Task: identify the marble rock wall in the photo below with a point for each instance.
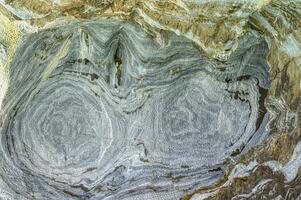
(150, 100)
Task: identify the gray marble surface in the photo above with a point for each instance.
(98, 110)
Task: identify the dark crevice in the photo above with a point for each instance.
(93, 76)
(90, 169)
(238, 150)
(262, 109)
(118, 64)
(79, 60)
(237, 95)
(215, 169)
(144, 147)
(185, 166)
(245, 77)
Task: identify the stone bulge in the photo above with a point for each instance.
(98, 110)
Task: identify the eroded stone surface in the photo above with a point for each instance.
(109, 109)
(98, 110)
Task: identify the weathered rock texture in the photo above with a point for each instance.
(150, 99)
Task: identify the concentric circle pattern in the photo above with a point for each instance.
(194, 125)
(98, 110)
(67, 129)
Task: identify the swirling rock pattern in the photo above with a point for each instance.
(98, 110)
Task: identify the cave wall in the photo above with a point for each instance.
(150, 99)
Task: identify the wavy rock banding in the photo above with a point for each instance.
(98, 110)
